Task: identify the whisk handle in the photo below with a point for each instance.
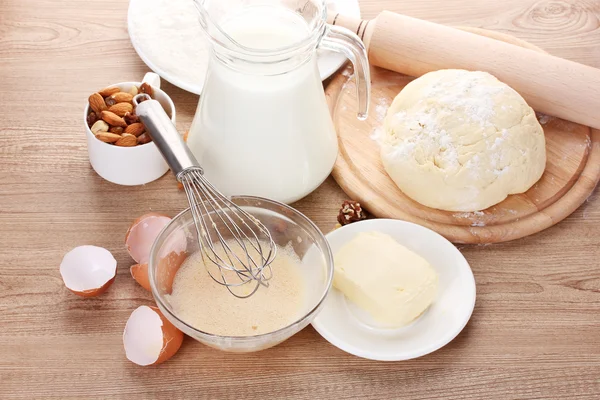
(164, 134)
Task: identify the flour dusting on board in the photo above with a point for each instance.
(589, 209)
(543, 118)
(379, 112)
(381, 106)
(470, 215)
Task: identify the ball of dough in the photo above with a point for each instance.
(461, 141)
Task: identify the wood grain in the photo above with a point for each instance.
(535, 332)
(572, 151)
(414, 47)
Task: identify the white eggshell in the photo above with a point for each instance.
(87, 269)
(149, 338)
(143, 336)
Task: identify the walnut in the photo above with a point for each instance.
(351, 211)
(131, 118)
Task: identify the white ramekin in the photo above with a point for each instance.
(135, 165)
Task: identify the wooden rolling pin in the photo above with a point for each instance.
(549, 84)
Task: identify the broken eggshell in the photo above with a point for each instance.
(167, 269)
(139, 240)
(142, 233)
(165, 272)
(139, 272)
(149, 338)
(88, 271)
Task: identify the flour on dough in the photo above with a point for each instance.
(461, 141)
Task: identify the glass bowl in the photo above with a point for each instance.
(287, 226)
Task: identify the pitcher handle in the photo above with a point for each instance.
(342, 40)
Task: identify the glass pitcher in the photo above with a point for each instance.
(262, 126)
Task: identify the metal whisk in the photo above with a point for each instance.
(237, 244)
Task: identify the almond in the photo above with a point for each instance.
(143, 138)
(99, 126)
(108, 91)
(134, 90)
(113, 119)
(121, 97)
(126, 140)
(121, 109)
(135, 129)
(108, 137)
(97, 103)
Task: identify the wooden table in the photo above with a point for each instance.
(535, 332)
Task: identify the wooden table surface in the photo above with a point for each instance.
(535, 332)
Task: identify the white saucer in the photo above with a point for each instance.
(348, 328)
(152, 23)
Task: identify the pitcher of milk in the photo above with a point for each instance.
(262, 126)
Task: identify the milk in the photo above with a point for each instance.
(264, 129)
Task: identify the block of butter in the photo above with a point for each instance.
(390, 282)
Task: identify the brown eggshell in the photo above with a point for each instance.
(166, 271)
(94, 292)
(149, 338)
(172, 338)
(88, 270)
(167, 268)
(139, 272)
(141, 235)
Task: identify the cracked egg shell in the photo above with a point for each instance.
(149, 338)
(142, 233)
(139, 272)
(166, 271)
(88, 271)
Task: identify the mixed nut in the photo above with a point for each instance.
(350, 211)
(112, 118)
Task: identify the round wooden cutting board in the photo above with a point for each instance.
(572, 168)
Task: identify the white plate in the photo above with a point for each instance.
(151, 19)
(344, 326)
